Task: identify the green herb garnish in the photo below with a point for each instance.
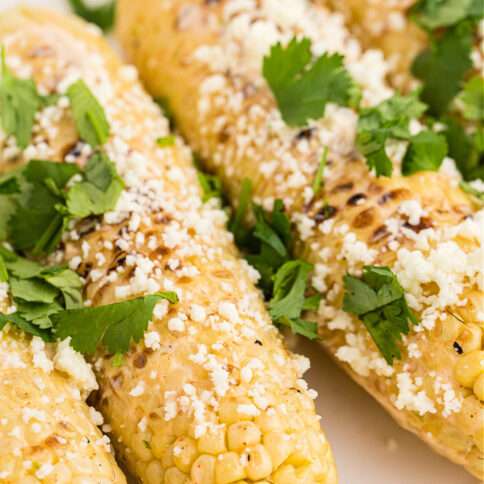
(102, 16)
(378, 299)
(476, 195)
(472, 99)
(211, 186)
(426, 152)
(303, 86)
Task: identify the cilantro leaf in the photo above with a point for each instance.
(9, 185)
(103, 16)
(426, 152)
(442, 67)
(378, 299)
(168, 140)
(475, 193)
(32, 290)
(211, 186)
(24, 325)
(236, 224)
(318, 179)
(388, 120)
(99, 192)
(88, 114)
(433, 14)
(472, 99)
(19, 101)
(308, 329)
(69, 284)
(303, 88)
(113, 325)
(3, 270)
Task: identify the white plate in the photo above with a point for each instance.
(369, 447)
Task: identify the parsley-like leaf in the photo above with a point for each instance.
(302, 88)
(426, 152)
(88, 114)
(211, 186)
(378, 300)
(442, 67)
(103, 16)
(24, 325)
(236, 224)
(388, 120)
(166, 141)
(113, 325)
(9, 185)
(476, 194)
(100, 190)
(3, 270)
(318, 179)
(433, 14)
(472, 99)
(19, 101)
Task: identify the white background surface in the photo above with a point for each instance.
(369, 447)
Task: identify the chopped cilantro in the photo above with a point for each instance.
(9, 185)
(318, 179)
(472, 99)
(426, 152)
(433, 14)
(3, 270)
(88, 114)
(19, 101)
(476, 194)
(113, 325)
(118, 360)
(378, 299)
(442, 66)
(211, 186)
(236, 224)
(103, 15)
(288, 298)
(166, 141)
(302, 87)
(388, 120)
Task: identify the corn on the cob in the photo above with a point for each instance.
(380, 24)
(47, 432)
(210, 395)
(205, 58)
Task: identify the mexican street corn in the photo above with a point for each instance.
(208, 394)
(420, 233)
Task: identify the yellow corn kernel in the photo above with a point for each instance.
(259, 463)
(228, 411)
(161, 441)
(154, 473)
(203, 470)
(175, 476)
(213, 441)
(298, 458)
(184, 453)
(450, 328)
(229, 468)
(470, 338)
(139, 447)
(479, 438)
(469, 367)
(279, 445)
(269, 422)
(479, 387)
(243, 434)
(285, 475)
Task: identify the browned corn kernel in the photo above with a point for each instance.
(203, 470)
(229, 468)
(243, 434)
(469, 367)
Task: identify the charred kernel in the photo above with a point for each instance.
(139, 360)
(379, 233)
(364, 218)
(305, 134)
(392, 195)
(457, 347)
(343, 187)
(325, 213)
(356, 199)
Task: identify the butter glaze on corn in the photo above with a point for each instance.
(206, 60)
(210, 395)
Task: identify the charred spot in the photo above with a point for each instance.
(139, 360)
(379, 233)
(306, 133)
(392, 195)
(325, 213)
(425, 223)
(355, 199)
(223, 136)
(343, 187)
(73, 150)
(364, 219)
(374, 188)
(458, 348)
(85, 269)
(117, 380)
(52, 440)
(258, 342)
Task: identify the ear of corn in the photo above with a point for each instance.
(206, 61)
(47, 432)
(209, 395)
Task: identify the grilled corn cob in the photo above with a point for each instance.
(210, 395)
(47, 433)
(205, 59)
(380, 24)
